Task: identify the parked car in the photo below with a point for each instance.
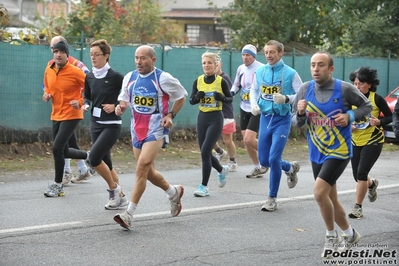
(391, 99)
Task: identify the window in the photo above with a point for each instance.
(205, 33)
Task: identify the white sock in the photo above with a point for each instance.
(348, 232)
(131, 207)
(82, 166)
(291, 170)
(258, 166)
(58, 184)
(67, 166)
(171, 191)
(331, 233)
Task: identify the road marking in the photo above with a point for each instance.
(44, 226)
(192, 210)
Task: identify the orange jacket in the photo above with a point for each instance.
(64, 86)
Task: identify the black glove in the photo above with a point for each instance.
(219, 97)
(200, 95)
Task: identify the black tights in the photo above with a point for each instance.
(209, 128)
(103, 136)
(363, 159)
(62, 132)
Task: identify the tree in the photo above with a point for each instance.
(4, 16)
(97, 19)
(283, 20)
(4, 20)
(137, 21)
(364, 28)
(372, 29)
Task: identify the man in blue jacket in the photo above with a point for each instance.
(272, 93)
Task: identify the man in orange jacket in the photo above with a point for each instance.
(63, 85)
(84, 172)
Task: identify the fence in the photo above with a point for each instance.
(25, 117)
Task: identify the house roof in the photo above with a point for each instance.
(11, 6)
(191, 14)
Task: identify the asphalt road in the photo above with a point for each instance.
(226, 228)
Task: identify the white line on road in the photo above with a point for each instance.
(192, 210)
(44, 226)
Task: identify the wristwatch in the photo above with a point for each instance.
(173, 114)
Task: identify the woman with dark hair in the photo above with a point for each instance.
(367, 137)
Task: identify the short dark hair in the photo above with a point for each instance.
(279, 45)
(104, 46)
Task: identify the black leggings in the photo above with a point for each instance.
(363, 160)
(209, 128)
(62, 132)
(103, 136)
(73, 142)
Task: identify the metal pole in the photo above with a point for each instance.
(388, 71)
(343, 67)
(81, 45)
(163, 54)
(231, 62)
(293, 58)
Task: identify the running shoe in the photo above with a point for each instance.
(349, 241)
(124, 219)
(232, 166)
(222, 176)
(292, 178)
(270, 205)
(114, 198)
(372, 193)
(67, 178)
(258, 172)
(356, 212)
(54, 190)
(331, 244)
(81, 177)
(175, 202)
(122, 204)
(220, 156)
(202, 191)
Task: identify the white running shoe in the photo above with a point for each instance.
(124, 219)
(122, 204)
(270, 205)
(258, 172)
(175, 202)
(232, 166)
(292, 178)
(67, 178)
(114, 198)
(220, 156)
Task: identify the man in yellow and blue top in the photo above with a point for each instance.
(272, 91)
(325, 106)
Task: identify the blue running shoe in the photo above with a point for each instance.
(202, 191)
(222, 176)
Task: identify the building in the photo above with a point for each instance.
(199, 21)
(25, 10)
(195, 18)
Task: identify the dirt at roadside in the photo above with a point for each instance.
(35, 162)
